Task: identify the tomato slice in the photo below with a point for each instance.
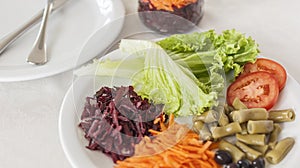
(257, 89)
(267, 65)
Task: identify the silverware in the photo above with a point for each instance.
(11, 37)
(38, 54)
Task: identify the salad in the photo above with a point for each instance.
(181, 76)
(186, 73)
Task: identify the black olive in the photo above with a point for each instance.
(232, 165)
(244, 163)
(258, 163)
(223, 157)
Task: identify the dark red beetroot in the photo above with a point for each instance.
(116, 119)
(179, 19)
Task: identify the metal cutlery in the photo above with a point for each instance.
(11, 37)
(38, 54)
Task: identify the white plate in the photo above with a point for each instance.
(74, 143)
(69, 28)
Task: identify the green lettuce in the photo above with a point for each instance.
(164, 81)
(207, 52)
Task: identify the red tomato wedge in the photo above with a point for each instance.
(267, 65)
(257, 89)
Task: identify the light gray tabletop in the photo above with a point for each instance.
(29, 110)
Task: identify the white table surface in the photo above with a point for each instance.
(29, 110)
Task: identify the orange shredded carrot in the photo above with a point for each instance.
(191, 165)
(171, 120)
(210, 154)
(156, 120)
(174, 146)
(168, 4)
(162, 126)
(154, 132)
(204, 156)
(214, 145)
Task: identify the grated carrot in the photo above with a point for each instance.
(153, 132)
(156, 120)
(176, 146)
(168, 4)
(171, 120)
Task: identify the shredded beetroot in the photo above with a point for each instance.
(116, 119)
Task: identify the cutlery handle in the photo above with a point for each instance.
(11, 37)
(38, 55)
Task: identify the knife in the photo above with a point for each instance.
(14, 35)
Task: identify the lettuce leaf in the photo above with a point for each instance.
(164, 81)
(228, 51)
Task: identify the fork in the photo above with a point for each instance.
(38, 54)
